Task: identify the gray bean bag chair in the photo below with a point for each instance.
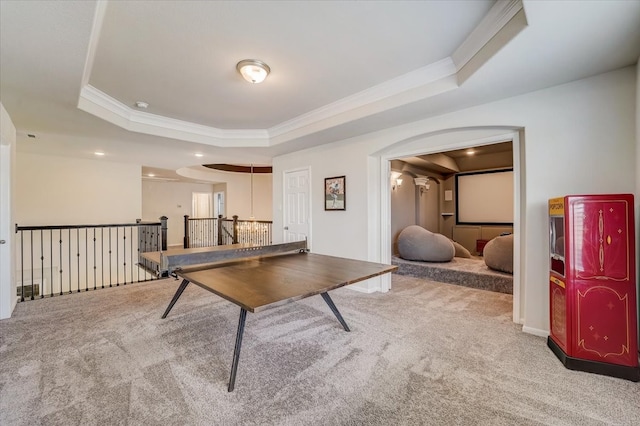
(416, 243)
(461, 251)
(498, 253)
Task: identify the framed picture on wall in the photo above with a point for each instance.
(335, 195)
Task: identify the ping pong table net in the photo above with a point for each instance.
(173, 260)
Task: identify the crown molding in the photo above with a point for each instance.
(499, 15)
(101, 105)
(419, 84)
(94, 37)
(411, 81)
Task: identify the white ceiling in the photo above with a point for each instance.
(70, 72)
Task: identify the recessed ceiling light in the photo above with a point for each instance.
(199, 155)
(470, 152)
(151, 175)
(99, 153)
(142, 104)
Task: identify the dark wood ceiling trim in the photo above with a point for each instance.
(239, 169)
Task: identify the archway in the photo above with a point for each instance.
(451, 139)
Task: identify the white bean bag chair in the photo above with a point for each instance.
(498, 253)
(416, 243)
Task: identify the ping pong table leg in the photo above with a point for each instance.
(176, 296)
(236, 350)
(327, 299)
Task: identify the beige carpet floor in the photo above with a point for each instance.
(425, 353)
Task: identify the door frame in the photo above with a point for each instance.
(8, 298)
(216, 211)
(519, 196)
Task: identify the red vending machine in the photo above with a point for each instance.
(592, 284)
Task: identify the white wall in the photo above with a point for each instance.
(580, 138)
(238, 196)
(8, 297)
(54, 190)
(341, 233)
(262, 197)
(429, 208)
(87, 191)
(171, 199)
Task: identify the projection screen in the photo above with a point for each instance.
(484, 198)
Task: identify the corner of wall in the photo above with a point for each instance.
(535, 331)
(8, 298)
(637, 194)
(371, 285)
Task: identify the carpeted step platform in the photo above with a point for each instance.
(472, 273)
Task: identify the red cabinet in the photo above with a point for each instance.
(592, 284)
(480, 246)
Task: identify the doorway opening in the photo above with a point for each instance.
(436, 145)
(431, 199)
(202, 205)
(218, 204)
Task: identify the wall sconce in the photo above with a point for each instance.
(396, 180)
(422, 183)
(398, 183)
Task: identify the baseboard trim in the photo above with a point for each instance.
(535, 331)
(360, 289)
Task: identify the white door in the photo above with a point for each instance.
(202, 205)
(297, 206)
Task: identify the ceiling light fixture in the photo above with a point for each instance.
(470, 152)
(253, 70)
(142, 105)
(199, 155)
(99, 153)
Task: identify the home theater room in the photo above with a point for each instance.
(331, 212)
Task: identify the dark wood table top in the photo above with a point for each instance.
(259, 283)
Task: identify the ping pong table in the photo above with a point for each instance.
(261, 277)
